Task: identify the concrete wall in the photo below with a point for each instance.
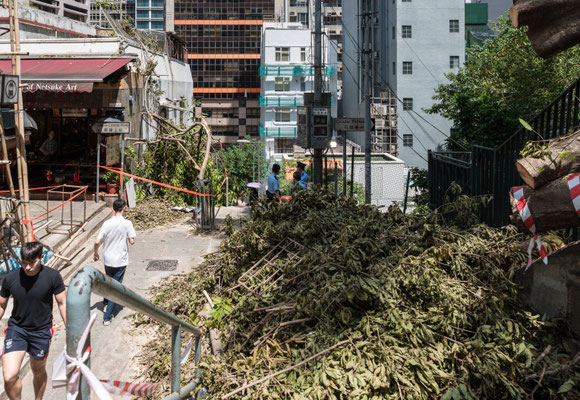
(37, 24)
(554, 289)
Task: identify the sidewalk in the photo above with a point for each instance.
(114, 347)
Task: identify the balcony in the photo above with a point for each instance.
(278, 132)
(277, 101)
(293, 70)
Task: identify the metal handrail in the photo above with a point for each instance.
(88, 280)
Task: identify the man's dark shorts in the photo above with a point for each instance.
(36, 343)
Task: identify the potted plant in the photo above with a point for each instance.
(112, 181)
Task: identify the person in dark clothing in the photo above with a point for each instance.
(29, 328)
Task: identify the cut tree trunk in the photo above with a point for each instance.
(551, 207)
(564, 158)
(554, 25)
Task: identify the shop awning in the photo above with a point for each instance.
(65, 74)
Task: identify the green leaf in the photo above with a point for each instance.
(566, 386)
(525, 125)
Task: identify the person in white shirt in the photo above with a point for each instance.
(114, 235)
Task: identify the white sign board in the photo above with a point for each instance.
(10, 85)
(112, 127)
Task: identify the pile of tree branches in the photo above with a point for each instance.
(329, 299)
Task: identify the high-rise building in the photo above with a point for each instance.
(117, 10)
(150, 15)
(414, 44)
(287, 73)
(223, 38)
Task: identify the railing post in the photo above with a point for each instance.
(77, 316)
(175, 358)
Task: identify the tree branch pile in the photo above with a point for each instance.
(334, 300)
(544, 169)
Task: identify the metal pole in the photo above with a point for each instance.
(317, 172)
(175, 358)
(253, 163)
(407, 191)
(98, 166)
(227, 191)
(352, 173)
(367, 99)
(335, 178)
(122, 165)
(344, 172)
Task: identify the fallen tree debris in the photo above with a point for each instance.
(400, 306)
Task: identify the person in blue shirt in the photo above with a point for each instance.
(298, 184)
(303, 175)
(273, 192)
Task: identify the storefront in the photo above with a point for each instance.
(67, 96)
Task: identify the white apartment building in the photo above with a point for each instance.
(287, 73)
(414, 44)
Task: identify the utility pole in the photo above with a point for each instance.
(317, 82)
(19, 118)
(366, 18)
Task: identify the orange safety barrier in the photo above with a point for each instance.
(118, 171)
(38, 188)
(31, 221)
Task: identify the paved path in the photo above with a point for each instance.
(113, 346)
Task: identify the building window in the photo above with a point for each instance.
(282, 54)
(282, 115)
(405, 1)
(142, 24)
(284, 146)
(303, 18)
(142, 13)
(407, 32)
(394, 68)
(454, 25)
(282, 84)
(157, 25)
(303, 54)
(408, 140)
(453, 62)
(159, 14)
(394, 33)
(407, 104)
(407, 68)
(142, 3)
(302, 84)
(158, 3)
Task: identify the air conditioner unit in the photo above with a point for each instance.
(293, 13)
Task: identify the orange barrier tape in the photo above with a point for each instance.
(30, 189)
(118, 171)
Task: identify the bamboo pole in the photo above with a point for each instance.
(19, 118)
(10, 181)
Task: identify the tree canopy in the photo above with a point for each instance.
(501, 81)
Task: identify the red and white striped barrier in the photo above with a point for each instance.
(526, 216)
(574, 186)
(103, 388)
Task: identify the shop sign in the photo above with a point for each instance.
(62, 87)
(74, 112)
(113, 145)
(10, 85)
(112, 128)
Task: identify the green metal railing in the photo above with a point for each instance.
(88, 280)
(281, 101)
(279, 132)
(294, 70)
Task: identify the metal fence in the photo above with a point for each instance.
(488, 171)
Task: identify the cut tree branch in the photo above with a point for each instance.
(553, 25)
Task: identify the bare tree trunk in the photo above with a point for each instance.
(554, 25)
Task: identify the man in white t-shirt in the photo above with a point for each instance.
(114, 235)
